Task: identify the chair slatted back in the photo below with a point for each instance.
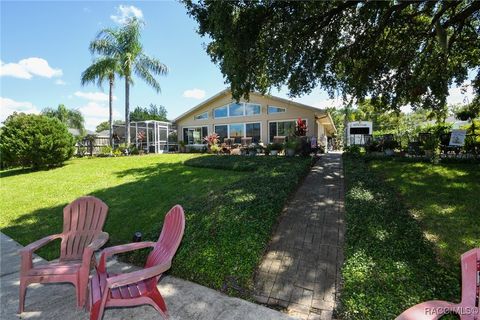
(83, 219)
(170, 237)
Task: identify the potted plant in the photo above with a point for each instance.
(215, 148)
(275, 148)
(430, 145)
(267, 150)
(389, 146)
(182, 146)
(252, 150)
(291, 147)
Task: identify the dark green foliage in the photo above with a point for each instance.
(36, 141)
(153, 112)
(389, 265)
(396, 52)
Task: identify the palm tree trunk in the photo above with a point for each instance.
(127, 111)
(110, 113)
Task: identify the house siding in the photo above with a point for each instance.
(293, 112)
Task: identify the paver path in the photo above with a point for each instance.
(300, 271)
(185, 300)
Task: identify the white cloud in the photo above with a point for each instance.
(194, 93)
(9, 106)
(60, 82)
(93, 96)
(124, 13)
(27, 68)
(460, 95)
(94, 113)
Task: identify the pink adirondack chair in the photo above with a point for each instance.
(82, 234)
(467, 309)
(137, 287)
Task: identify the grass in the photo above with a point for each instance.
(444, 198)
(230, 210)
(391, 262)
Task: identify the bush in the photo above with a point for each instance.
(36, 141)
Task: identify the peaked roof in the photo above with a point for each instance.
(227, 91)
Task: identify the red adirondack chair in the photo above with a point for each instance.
(467, 309)
(137, 287)
(82, 234)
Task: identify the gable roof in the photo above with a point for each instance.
(227, 91)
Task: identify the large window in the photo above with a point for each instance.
(252, 109)
(201, 116)
(222, 131)
(237, 131)
(237, 110)
(195, 135)
(273, 109)
(282, 128)
(221, 112)
(253, 130)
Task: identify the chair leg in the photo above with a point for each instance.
(96, 311)
(23, 289)
(159, 303)
(82, 291)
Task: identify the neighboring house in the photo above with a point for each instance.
(262, 117)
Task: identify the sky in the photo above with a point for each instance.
(44, 50)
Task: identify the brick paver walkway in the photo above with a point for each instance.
(301, 268)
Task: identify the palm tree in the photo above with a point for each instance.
(102, 69)
(124, 46)
(71, 118)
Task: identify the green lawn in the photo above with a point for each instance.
(444, 198)
(407, 224)
(231, 205)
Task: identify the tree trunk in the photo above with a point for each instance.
(127, 111)
(110, 113)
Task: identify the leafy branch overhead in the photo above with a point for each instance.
(396, 52)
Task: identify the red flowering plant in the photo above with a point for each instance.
(212, 141)
(141, 136)
(301, 128)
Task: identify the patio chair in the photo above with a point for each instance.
(137, 287)
(467, 309)
(279, 139)
(246, 141)
(82, 234)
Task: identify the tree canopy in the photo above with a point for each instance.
(123, 45)
(71, 118)
(105, 125)
(395, 52)
(153, 112)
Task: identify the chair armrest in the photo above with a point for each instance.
(99, 241)
(39, 243)
(429, 310)
(136, 276)
(26, 252)
(96, 244)
(108, 252)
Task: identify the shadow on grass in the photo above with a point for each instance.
(230, 216)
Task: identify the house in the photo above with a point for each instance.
(262, 118)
